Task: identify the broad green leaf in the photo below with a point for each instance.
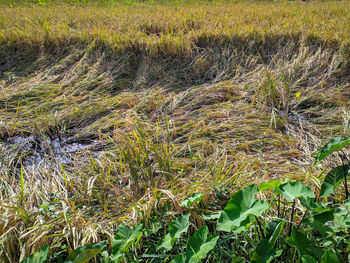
(212, 216)
(123, 239)
(168, 242)
(342, 216)
(194, 198)
(336, 144)
(308, 259)
(85, 253)
(241, 209)
(330, 220)
(333, 179)
(199, 245)
(272, 184)
(179, 259)
(106, 258)
(38, 257)
(292, 190)
(303, 244)
(315, 207)
(265, 253)
(276, 233)
(176, 228)
(244, 224)
(270, 228)
(309, 203)
(318, 222)
(153, 228)
(330, 257)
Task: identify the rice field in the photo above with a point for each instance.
(115, 112)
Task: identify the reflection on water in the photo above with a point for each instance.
(37, 149)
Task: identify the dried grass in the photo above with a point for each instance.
(171, 99)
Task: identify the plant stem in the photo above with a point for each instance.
(291, 219)
(345, 175)
(285, 252)
(279, 206)
(342, 157)
(260, 227)
(302, 219)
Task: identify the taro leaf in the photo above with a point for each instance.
(334, 145)
(330, 257)
(179, 259)
(310, 204)
(342, 215)
(272, 184)
(244, 224)
(106, 258)
(270, 228)
(308, 259)
(153, 228)
(194, 198)
(241, 209)
(292, 190)
(85, 253)
(303, 244)
(176, 228)
(315, 207)
(333, 179)
(276, 233)
(319, 222)
(199, 245)
(265, 252)
(38, 257)
(211, 216)
(123, 239)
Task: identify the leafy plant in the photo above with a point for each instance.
(80, 255)
(85, 253)
(265, 251)
(293, 190)
(241, 209)
(176, 228)
(193, 199)
(122, 242)
(198, 246)
(304, 245)
(38, 257)
(335, 145)
(247, 227)
(334, 177)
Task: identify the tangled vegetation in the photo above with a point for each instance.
(246, 229)
(115, 113)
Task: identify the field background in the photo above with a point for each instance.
(113, 112)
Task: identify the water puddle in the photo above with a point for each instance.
(36, 151)
(292, 116)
